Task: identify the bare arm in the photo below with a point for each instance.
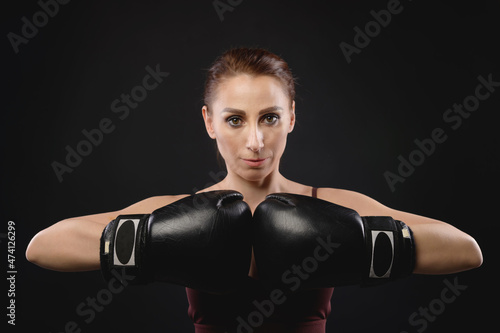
(440, 247)
(73, 244)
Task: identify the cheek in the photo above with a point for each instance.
(281, 143)
(278, 134)
(226, 147)
(227, 142)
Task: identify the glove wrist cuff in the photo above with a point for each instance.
(390, 249)
(121, 246)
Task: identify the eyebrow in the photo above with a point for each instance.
(241, 112)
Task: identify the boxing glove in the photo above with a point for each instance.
(201, 241)
(303, 242)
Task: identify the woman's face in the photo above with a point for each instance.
(250, 118)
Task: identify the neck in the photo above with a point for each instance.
(254, 192)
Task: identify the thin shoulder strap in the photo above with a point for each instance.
(314, 192)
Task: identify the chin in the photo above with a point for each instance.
(254, 175)
(254, 178)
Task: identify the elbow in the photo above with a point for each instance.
(38, 251)
(33, 251)
(451, 255)
(474, 256)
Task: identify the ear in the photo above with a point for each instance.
(208, 122)
(292, 118)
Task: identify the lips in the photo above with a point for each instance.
(254, 162)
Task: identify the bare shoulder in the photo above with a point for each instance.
(361, 203)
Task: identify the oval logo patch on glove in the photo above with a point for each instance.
(125, 242)
(382, 254)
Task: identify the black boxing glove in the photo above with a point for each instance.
(201, 241)
(304, 242)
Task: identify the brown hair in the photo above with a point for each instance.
(251, 61)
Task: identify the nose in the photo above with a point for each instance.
(255, 140)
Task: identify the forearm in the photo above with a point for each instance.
(440, 247)
(443, 249)
(69, 245)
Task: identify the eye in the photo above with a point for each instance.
(270, 119)
(234, 121)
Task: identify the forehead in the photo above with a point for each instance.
(246, 91)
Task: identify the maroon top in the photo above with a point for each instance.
(250, 309)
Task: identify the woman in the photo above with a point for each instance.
(250, 110)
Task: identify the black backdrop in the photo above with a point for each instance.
(356, 121)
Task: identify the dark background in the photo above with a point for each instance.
(354, 120)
